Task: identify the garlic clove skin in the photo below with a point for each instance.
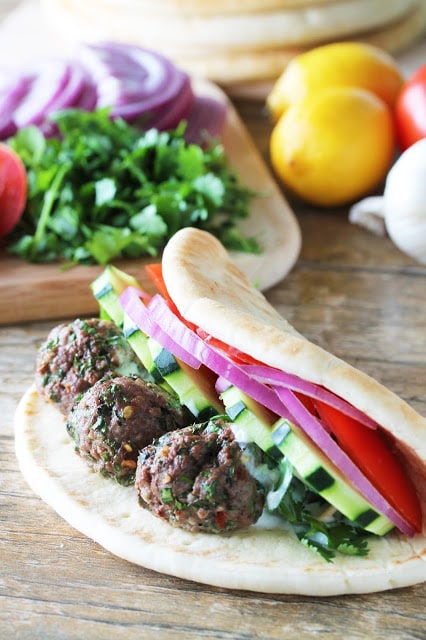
(404, 202)
(369, 213)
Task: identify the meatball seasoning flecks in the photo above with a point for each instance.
(195, 478)
(75, 356)
(119, 416)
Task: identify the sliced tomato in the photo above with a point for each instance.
(237, 356)
(410, 110)
(13, 189)
(373, 454)
(155, 273)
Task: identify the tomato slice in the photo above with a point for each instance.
(155, 273)
(374, 456)
(13, 189)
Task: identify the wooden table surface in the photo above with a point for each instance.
(352, 293)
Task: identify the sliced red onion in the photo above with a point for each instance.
(221, 384)
(12, 91)
(88, 97)
(46, 85)
(139, 314)
(269, 375)
(72, 90)
(132, 80)
(159, 321)
(169, 115)
(68, 98)
(205, 120)
(137, 84)
(320, 436)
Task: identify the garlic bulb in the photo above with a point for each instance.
(401, 212)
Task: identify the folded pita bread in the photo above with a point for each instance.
(210, 290)
(195, 33)
(235, 42)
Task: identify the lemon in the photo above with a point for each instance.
(335, 147)
(338, 64)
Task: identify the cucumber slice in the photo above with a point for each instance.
(314, 468)
(194, 392)
(107, 288)
(251, 421)
(253, 424)
(139, 343)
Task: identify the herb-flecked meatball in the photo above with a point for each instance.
(196, 479)
(75, 356)
(119, 416)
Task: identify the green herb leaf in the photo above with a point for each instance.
(102, 189)
(321, 530)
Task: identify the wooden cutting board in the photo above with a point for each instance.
(41, 292)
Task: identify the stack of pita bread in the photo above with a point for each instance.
(239, 42)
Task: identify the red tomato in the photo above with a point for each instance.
(410, 110)
(373, 454)
(155, 273)
(13, 189)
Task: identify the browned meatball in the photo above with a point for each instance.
(75, 356)
(196, 479)
(116, 418)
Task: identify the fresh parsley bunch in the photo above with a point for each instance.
(102, 189)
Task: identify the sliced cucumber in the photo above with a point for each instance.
(107, 288)
(314, 468)
(194, 389)
(202, 402)
(311, 465)
(251, 421)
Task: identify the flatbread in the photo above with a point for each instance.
(257, 559)
(246, 50)
(253, 73)
(207, 7)
(209, 290)
(182, 33)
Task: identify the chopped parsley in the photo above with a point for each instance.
(102, 189)
(322, 530)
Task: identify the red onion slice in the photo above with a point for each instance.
(46, 85)
(169, 115)
(71, 91)
(12, 91)
(269, 375)
(132, 80)
(205, 120)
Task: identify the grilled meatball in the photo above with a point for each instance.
(196, 479)
(119, 416)
(76, 355)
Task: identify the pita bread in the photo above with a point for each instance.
(257, 559)
(211, 291)
(180, 33)
(253, 73)
(206, 7)
(243, 50)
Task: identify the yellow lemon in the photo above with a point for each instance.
(338, 64)
(335, 147)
